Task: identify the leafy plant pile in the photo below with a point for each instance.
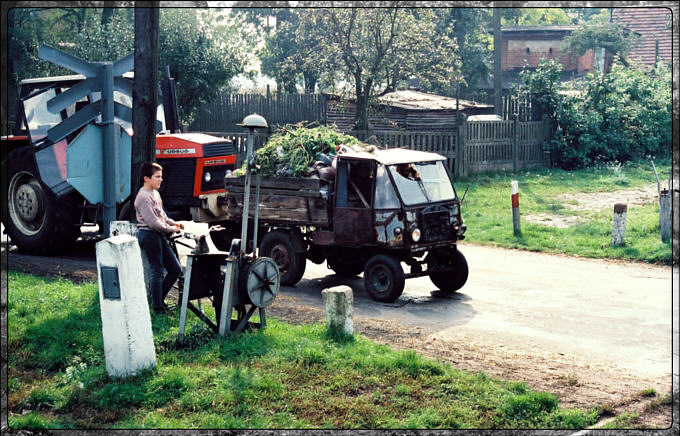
(294, 149)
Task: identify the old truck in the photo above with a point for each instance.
(376, 211)
(45, 211)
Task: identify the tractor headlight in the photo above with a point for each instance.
(207, 177)
(415, 235)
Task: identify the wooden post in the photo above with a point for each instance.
(515, 144)
(665, 219)
(514, 185)
(619, 225)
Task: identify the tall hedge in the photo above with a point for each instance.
(616, 117)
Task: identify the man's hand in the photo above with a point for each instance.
(177, 228)
(180, 225)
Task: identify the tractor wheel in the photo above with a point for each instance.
(37, 222)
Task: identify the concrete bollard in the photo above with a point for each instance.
(129, 228)
(619, 225)
(126, 322)
(339, 304)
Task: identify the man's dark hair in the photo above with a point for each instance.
(149, 168)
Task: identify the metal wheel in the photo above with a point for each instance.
(27, 203)
(384, 278)
(262, 281)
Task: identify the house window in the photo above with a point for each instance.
(550, 50)
(528, 50)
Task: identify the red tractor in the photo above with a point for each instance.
(45, 211)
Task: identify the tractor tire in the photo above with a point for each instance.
(37, 222)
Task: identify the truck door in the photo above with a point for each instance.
(353, 212)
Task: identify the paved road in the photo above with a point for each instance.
(601, 311)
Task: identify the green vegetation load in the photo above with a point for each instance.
(294, 150)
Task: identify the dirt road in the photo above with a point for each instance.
(594, 332)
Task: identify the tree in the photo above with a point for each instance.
(613, 37)
(377, 48)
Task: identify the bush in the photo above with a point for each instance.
(616, 117)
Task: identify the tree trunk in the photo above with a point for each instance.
(144, 94)
(310, 82)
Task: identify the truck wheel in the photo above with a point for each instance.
(36, 222)
(451, 281)
(384, 278)
(277, 245)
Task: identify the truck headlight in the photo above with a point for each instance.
(415, 235)
(207, 176)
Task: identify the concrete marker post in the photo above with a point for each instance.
(619, 225)
(338, 303)
(126, 322)
(130, 228)
(665, 219)
(514, 186)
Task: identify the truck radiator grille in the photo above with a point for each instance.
(178, 177)
(435, 226)
(221, 149)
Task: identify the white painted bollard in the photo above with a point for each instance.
(339, 304)
(129, 228)
(514, 186)
(126, 322)
(619, 225)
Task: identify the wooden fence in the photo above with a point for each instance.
(227, 110)
(478, 146)
(502, 145)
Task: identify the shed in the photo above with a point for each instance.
(407, 110)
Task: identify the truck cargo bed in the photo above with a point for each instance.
(284, 200)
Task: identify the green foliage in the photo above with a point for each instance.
(203, 49)
(616, 117)
(613, 37)
(292, 150)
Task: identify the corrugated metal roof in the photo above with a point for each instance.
(652, 25)
(393, 156)
(416, 100)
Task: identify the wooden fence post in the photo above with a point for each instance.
(515, 144)
(460, 152)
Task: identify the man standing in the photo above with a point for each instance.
(153, 224)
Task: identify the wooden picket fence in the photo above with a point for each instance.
(228, 110)
(478, 146)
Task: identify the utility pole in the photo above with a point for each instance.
(144, 94)
(497, 82)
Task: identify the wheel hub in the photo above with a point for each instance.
(381, 279)
(281, 257)
(27, 202)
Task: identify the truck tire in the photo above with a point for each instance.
(452, 280)
(37, 222)
(277, 245)
(384, 278)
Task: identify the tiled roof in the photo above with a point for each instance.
(652, 25)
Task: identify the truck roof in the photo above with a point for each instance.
(392, 156)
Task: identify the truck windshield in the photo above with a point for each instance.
(38, 118)
(422, 182)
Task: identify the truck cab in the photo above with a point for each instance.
(394, 206)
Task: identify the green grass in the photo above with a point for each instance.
(487, 212)
(283, 377)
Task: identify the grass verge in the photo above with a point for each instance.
(283, 377)
(488, 215)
